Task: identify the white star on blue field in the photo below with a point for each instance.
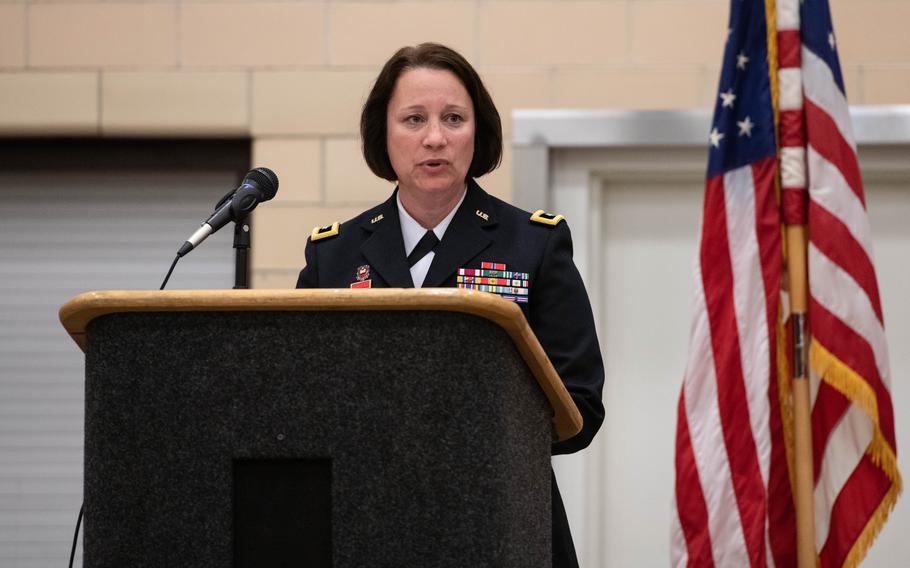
(742, 130)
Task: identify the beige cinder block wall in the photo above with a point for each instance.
(293, 74)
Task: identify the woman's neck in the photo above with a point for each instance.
(429, 209)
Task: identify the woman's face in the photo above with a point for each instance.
(430, 132)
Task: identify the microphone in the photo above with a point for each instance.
(259, 184)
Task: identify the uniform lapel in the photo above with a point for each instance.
(465, 238)
(384, 248)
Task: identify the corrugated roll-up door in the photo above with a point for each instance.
(61, 234)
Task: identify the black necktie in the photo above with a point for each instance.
(427, 243)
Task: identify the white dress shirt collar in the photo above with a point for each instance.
(412, 232)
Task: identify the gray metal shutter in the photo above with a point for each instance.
(61, 234)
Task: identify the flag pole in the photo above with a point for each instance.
(797, 245)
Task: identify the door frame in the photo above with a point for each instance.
(564, 159)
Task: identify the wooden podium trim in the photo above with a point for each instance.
(80, 310)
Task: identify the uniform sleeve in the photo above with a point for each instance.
(561, 317)
(308, 277)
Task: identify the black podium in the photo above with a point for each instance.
(343, 428)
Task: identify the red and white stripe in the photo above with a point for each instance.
(733, 497)
(846, 320)
(727, 412)
(792, 138)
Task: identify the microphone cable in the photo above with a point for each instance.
(270, 183)
(168, 277)
(82, 506)
(221, 202)
(76, 535)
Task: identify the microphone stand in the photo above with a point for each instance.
(242, 253)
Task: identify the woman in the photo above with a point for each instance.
(430, 125)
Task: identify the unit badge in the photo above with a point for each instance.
(494, 278)
(362, 274)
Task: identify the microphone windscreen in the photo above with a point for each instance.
(266, 180)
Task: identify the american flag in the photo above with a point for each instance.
(734, 452)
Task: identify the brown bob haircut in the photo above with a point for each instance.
(488, 127)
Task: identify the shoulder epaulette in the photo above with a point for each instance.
(320, 233)
(544, 218)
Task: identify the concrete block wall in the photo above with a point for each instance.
(292, 75)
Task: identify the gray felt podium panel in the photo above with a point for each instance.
(400, 438)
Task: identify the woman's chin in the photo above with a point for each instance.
(438, 187)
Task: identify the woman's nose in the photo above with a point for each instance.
(434, 134)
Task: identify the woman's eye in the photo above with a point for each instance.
(454, 118)
(413, 119)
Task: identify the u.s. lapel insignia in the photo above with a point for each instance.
(482, 215)
(494, 278)
(377, 219)
(362, 274)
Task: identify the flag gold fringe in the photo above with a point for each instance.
(850, 384)
(771, 33)
(847, 381)
(784, 388)
(785, 396)
(873, 527)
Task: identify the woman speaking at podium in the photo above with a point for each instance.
(430, 125)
